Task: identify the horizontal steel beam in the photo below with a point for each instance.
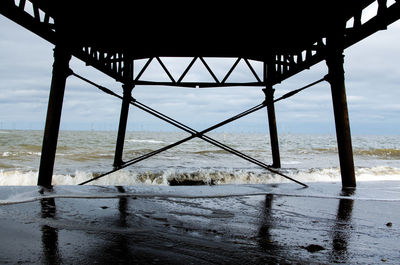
(199, 84)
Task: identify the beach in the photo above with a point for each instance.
(233, 212)
(231, 224)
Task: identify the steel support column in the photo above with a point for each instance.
(273, 132)
(127, 88)
(269, 79)
(334, 61)
(49, 146)
(119, 148)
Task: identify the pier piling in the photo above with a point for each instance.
(334, 61)
(56, 97)
(273, 132)
(119, 147)
(127, 90)
(269, 80)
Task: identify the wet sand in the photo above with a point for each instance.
(244, 224)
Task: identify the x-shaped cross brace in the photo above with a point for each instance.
(194, 134)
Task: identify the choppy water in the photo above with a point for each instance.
(82, 155)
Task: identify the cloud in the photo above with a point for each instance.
(372, 83)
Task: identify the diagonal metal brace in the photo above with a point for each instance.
(194, 134)
(213, 141)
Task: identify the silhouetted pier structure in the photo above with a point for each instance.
(286, 37)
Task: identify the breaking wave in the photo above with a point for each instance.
(200, 177)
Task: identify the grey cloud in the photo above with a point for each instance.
(372, 82)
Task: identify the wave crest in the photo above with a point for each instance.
(200, 177)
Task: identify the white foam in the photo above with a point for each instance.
(18, 178)
(35, 153)
(378, 173)
(27, 194)
(149, 141)
(317, 175)
(291, 162)
(16, 154)
(7, 154)
(227, 176)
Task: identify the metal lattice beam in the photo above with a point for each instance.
(28, 14)
(180, 80)
(289, 64)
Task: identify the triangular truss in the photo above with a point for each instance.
(206, 76)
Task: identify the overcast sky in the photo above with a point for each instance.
(372, 81)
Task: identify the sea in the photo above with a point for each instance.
(82, 155)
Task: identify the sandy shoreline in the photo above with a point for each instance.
(257, 224)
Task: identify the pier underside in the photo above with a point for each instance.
(285, 37)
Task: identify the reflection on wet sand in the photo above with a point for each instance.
(49, 234)
(340, 233)
(261, 229)
(117, 247)
(115, 251)
(342, 230)
(269, 246)
(264, 237)
(120, 247)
